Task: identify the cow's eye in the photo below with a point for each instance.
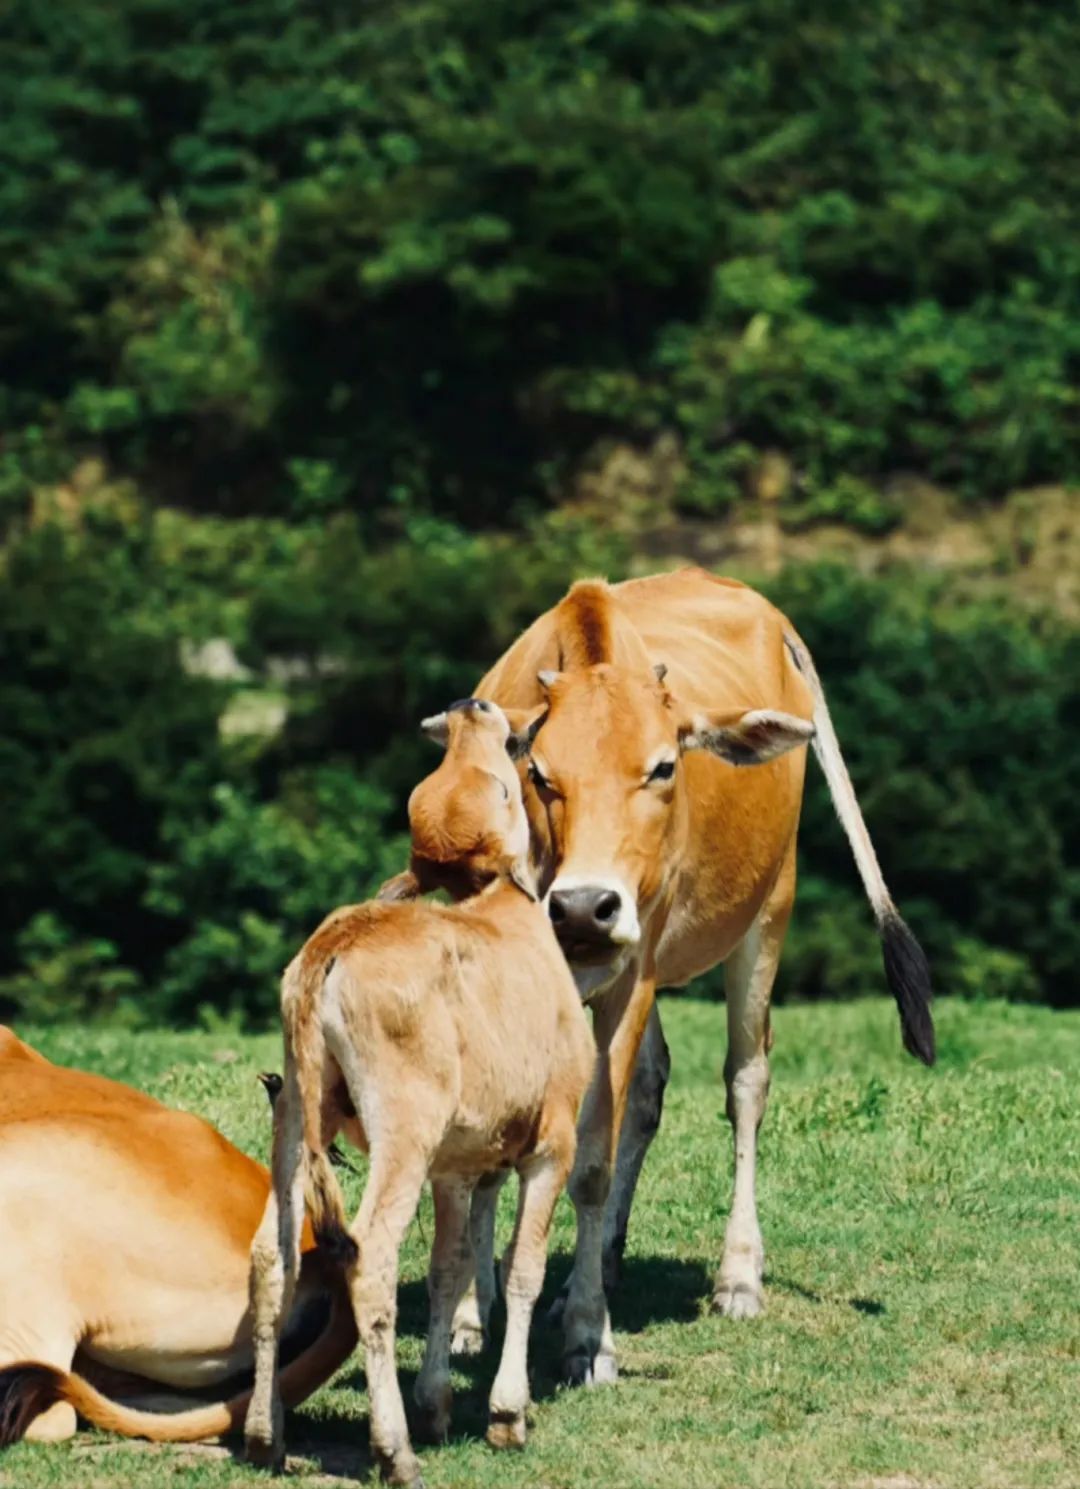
(663, 770)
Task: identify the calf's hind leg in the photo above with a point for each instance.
(386, 1211)
(472, 1319)
(749, 976)
(542, 1180)
(448, 1277)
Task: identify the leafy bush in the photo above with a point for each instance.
(247, 883)
(958, 723)
(289, 258)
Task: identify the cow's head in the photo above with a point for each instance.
(608, 799)
(467, 818)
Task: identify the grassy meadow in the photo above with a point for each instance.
(921, 1228)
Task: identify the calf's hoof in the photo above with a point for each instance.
(583, 1368)
(262, 1452)
(738, 1300)
(506, 1430)
(468, 1339)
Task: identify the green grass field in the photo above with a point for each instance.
(922, 1231)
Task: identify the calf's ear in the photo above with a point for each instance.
(436, 728)
(746, 739)
(524, 727)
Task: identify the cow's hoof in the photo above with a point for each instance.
(432, 1426)
(262, 1453)
(468, 1339)
(402, 1470)
(582, 1368)
(738, 1300)
(506, 1430)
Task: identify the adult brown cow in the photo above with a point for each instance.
(660, 860)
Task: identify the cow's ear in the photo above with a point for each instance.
(524, 725)
(746, 739)
(436, 728)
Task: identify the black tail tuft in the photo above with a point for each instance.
(272, 1084)
(908, 975)
(26, 1391)
(337, 1245)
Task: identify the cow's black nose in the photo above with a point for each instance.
(587, 913)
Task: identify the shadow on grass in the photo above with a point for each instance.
(651, 1290)
(869, 1307)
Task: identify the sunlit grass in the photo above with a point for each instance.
(921, 1228)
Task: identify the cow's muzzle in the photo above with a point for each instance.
(592, 921)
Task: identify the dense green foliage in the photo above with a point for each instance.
(920, 1233)
(294, 257)
(311, 315)
(154, 860)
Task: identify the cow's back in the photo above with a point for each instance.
(722, 642)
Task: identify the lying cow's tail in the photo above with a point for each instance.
(29, 1388)
(906, 967)
(302, 1007)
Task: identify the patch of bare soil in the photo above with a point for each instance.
(1027, 545)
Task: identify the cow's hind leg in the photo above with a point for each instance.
(749, 976)
(448, 1277)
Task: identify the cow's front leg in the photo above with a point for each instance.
(621, 1016)
(748, 981)
(472, 1320)
(640, 1125)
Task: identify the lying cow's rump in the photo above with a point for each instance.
(125, 1230)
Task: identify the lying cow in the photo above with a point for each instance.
(448, 1042)
(659, 859)
(125, 1233)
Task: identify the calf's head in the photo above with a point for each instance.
(608, 799)
(467, 818)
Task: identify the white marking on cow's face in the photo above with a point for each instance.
(626, 930)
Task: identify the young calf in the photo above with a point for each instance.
(449, 1042)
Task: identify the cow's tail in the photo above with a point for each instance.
(906, 967)
(302, 1008)
(29, 1388)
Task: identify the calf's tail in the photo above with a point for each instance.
(906, 968)
(302, 1008)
